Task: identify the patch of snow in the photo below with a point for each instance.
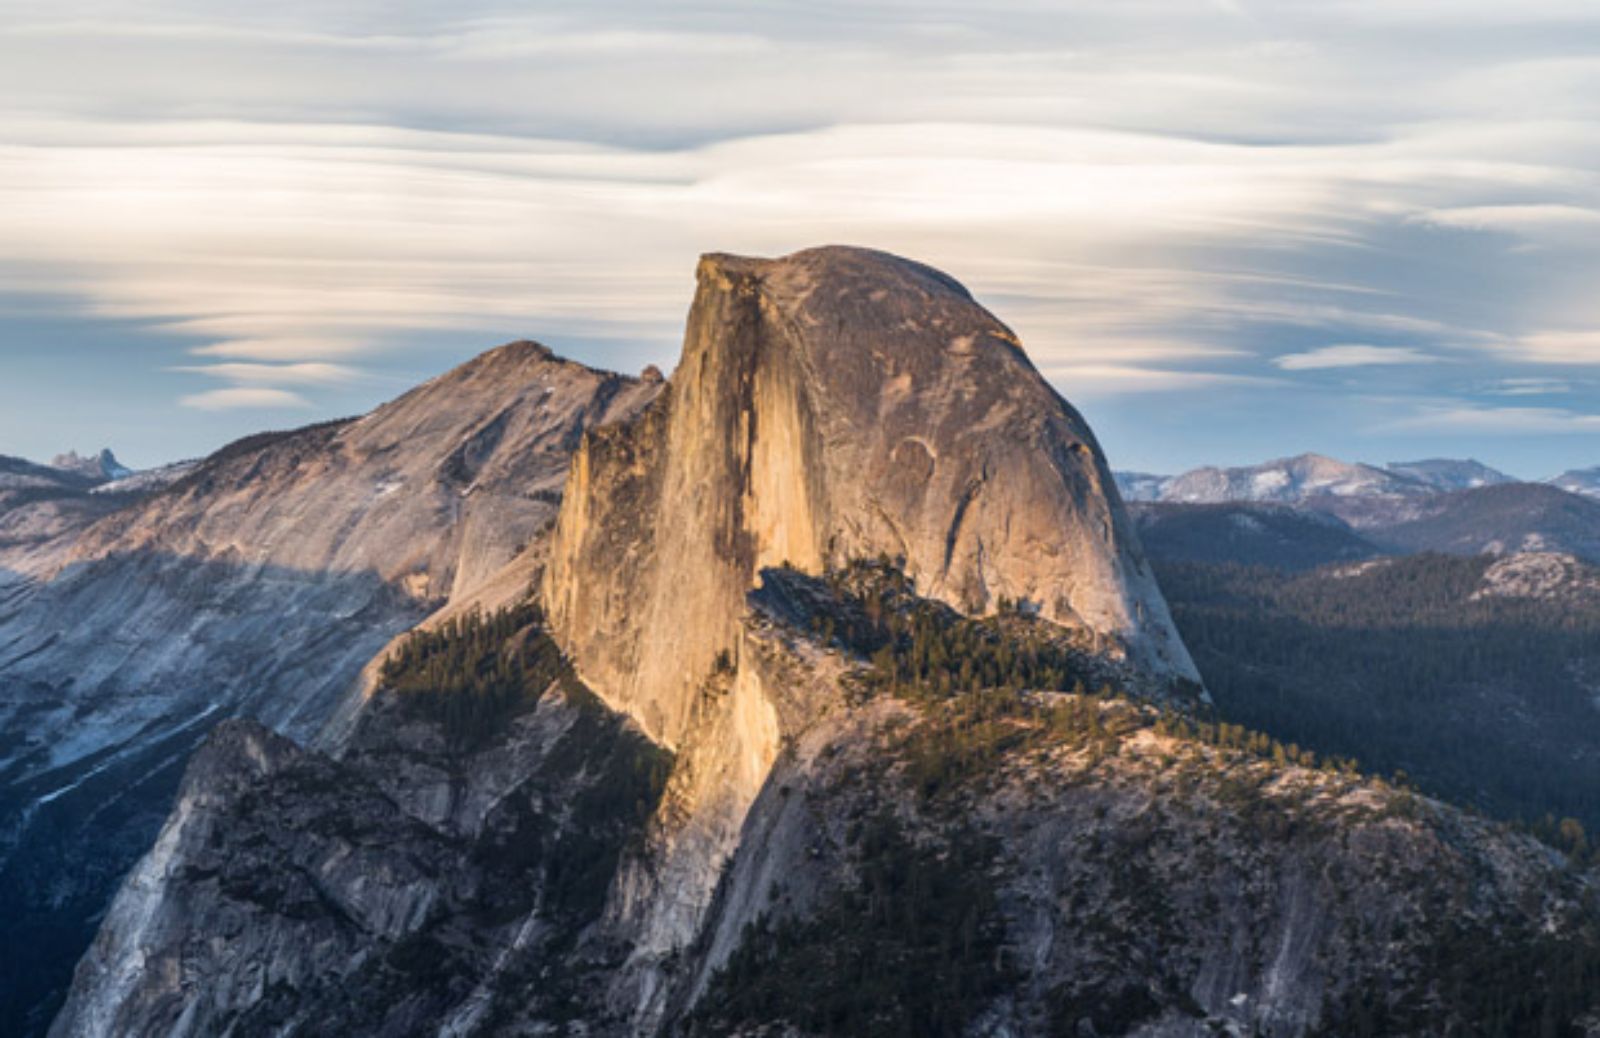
(1268, 481)
(149, 479)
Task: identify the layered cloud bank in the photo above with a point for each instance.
(1382, 213)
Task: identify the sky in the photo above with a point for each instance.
(1226, 231)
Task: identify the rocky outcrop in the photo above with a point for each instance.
(258, 583)
(1109, 874)
(102, 467)
(833, 405)
(413, 886)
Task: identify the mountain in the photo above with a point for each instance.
(102, 467)
(40, 505)
(148, 480)
(259, 583)
(1140, 486)
(1448, 474)
(1512, 517)
(1462, 507)
(1360, 495)
(18, 473)
(796, 732)
(1296, 479)
(1272, 535)
(1580, 481)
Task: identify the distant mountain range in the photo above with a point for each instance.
(1306, 477)
(1275, 535)
(1580, 481)
(69, 471)
(1285, 480)
(1260, 514)
(1450, 474)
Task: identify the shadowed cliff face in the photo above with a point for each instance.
(839, 404)
(260, 584)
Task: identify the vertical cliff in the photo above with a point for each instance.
(838, 404)
(833, 405)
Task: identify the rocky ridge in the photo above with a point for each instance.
(259, 582)
(102, 467)
(1580, 481)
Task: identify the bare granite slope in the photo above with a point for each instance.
(260, 583)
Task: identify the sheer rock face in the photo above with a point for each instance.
(404, 889)
(837, 404)
(833, 405)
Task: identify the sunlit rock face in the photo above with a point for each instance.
(833, 405)
(838, 404)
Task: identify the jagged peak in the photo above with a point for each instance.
(519, 353)
(103, 465)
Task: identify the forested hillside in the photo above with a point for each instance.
(1410, 665)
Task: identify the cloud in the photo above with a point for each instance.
(300, 188)
(1560, 347)
(287, 346)
(1529, 386)
(307, 373)
(1538, 219)
(1473, 418)
(1352, 355)
(1085, 381)
(243, 397)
